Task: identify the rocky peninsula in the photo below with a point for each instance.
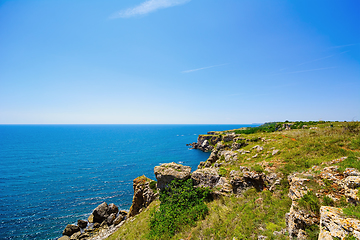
(289, 180)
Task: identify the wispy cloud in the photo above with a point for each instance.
(147, 7)
(309, 70)
(346, 45)
(198, 69)
(315, 60)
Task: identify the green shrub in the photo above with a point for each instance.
(222, 172)
(327, 201)
(312, 232)
(181, 205)
(350, 237)
(152, 185)
(310, 202)
(257, 168)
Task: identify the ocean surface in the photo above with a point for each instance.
(53, 175)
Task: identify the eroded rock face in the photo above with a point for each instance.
(243, 179)
(206, 177)
(334, 225)
(170, 171)
(143, 195)
(297, 220)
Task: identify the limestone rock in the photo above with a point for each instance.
(352, 182)
(219, 146)
(275, 151)
(206, 177)
(258, 148)
(334, 225)
(70, 229)
(229, 155)
(143, 195)
(170, 171)
(297, 220)
(241, 180)
(351, 172)
(229, 137)
(297, 187)
(213, 157)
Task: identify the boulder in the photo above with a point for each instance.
(111, 219)
(334, 225)
(100, 213)
(82, 223)
(113, 209)
(70, 229)
(143, 195)
(170, 171)
(118, 219)
(206, 177)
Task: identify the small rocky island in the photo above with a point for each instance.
(311, 169)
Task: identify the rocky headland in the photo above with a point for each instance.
(312, 169)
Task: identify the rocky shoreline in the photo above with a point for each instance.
(225, 148)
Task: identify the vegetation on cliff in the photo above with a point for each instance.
(314, 164)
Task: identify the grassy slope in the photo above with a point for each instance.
(257, 213)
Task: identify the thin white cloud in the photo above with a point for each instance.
(198, 69)
(310, 70)
(347, 45)
(318, 59)
(147, 7)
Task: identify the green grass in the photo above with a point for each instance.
(247, 216)
(310, 202)
(242, 217)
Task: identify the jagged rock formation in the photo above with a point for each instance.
(143, 195)
(170, 171)
(333, 224)
(206, 177)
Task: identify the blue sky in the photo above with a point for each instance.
(178, 61)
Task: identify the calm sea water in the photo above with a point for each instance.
(52, 175)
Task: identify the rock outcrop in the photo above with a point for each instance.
(333, 224)
(206, 177)
(143, 195)
(170, 171)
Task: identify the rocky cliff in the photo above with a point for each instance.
(303, 165)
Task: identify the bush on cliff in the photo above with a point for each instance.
(181, 205)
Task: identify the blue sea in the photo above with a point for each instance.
(53, 175)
